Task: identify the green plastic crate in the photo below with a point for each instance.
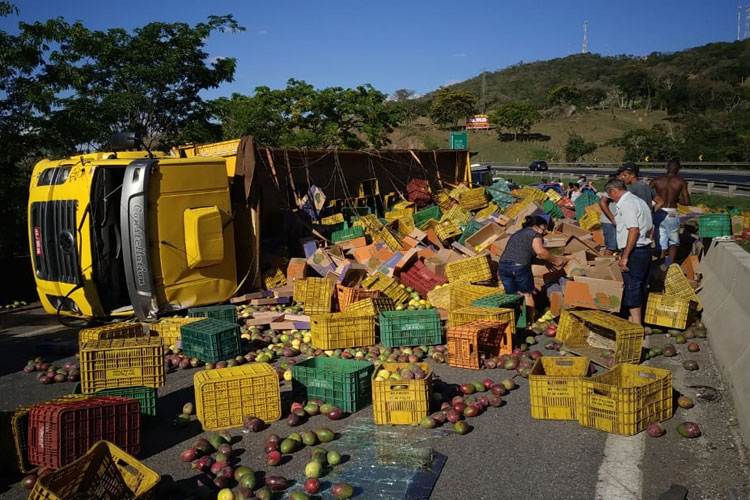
(344, 383)
(426, 214)
(471, 227)
(353, 213)
(226, 313)
(406, 328)
(144, 395)
(211, 340)
(551, 208)
(714, 225)
(583, 201)
(347, 234)
(517, 302)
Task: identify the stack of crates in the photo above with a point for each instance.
(168, 329)
(466, 342)
(441, 297)
(625, 400)
(457, 215)
(584, 201)
(471, 269)
(517, 302)
(211, 340)
(388, 286)
(226, 313)
(344, 383)
(342, 330)
(458, 317)
(121, 363)
(346, 295)
(146, 396)
(418, 192)
(532, 193)
(430, 213)
(553, 386)
(472, 199)
(401, 402)
(463, 294)
(550, 208)
(60, 432)
(447, 230)
(409, 328)
(714, 225)
(224, 396)
(373, 306)
(591, 220)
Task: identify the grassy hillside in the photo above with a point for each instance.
(596, 125)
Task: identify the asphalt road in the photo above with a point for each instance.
(506, 455)
(728, 176)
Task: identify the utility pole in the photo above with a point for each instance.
(739, 21)
(585, 48)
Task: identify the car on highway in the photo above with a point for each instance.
(535, 166)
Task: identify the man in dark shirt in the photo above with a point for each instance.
(628, 173)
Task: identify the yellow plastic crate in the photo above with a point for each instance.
(472, 269)
(441, 297)
(553, 195)
(677, 285)
(512, 211)
(462, 295)
(531, 193)
(456, 214)
(444, 200)
(553, 386)
(625, 400)
(405, 225)
(112, 331)
(588, 333)
(401, 402)
(274, 278)
(465, 315)
(111, 364)
(168, 329)
(456, 191)
(342, 330)
(224, 396)
(473, 199)
(388, 286)
(105, 472)
(487, 212)
(389, 239)
(398, 214)
(315, 293)
(332, 219)
(372, 305)
(405, 205)
(447, 229)
(591, 221)
(370, 223)
(746, 220)
(347, 295)
(669, 311)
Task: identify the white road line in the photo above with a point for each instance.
(41, 331)
(620, 476)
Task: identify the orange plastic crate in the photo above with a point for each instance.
(466, 342)
(465, 315)
(347, 295)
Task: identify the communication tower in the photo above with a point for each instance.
(585, 48)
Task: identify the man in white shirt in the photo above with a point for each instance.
(633, 225)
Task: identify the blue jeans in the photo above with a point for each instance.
(635, 280)
(516, 278)
(610, 236)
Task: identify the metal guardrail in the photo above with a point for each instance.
(717, 188)
(713, 165)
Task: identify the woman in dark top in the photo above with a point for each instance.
(515, 263)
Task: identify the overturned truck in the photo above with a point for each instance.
(123, 233)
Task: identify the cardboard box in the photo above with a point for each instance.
(321, 262)
(483, 238)
(571, 230)
(598, 236)
(467, 251)
(691, 268)
(296, 269)
(601, 288)
(576, 244)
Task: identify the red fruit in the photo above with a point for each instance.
(335, 414)
(693, 347)
(296, 405)
(498, 390)
(221, 483)
(29, 481)
(312, 485)
(467, 389)
(459, 407)
(496, 401)
(457, 399)
(655, 430)
(271, 446)
(471, 411)
(277, 483)
(189, 455)
(536, 354)
(453, 416)
(274, 458)
(217, 466)
(551, 331)
(226, 472)
(488, 383)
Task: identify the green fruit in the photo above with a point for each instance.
(333, 457)
(313, 469)
(298, 495)
(248, 481)
(242, 471)
(325, 435)
(264, 493)
(288, 446)
(216, 441)
(320, 456)
(182, 420)
(296, 436)
(342, 490)
(478, 386)
(309, 438)
(325, 408)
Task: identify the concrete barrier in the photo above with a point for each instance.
(726, 314)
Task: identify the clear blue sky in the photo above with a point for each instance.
(418, 45)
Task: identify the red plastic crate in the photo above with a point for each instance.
(421, 279)
(59, 433)
(418, 192)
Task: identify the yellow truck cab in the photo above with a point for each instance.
(130, 232)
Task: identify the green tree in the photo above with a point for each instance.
(411, 107)
(516, 116)
(635, 82)
(450, 107)
(577, 147)
(563, 94)
(640, 143)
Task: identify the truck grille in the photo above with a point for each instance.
(54, 241)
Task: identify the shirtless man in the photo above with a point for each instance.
(672, 189)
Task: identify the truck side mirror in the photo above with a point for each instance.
(122, 141)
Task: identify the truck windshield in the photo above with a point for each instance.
(106, 241)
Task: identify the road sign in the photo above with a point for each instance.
(459, 140)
